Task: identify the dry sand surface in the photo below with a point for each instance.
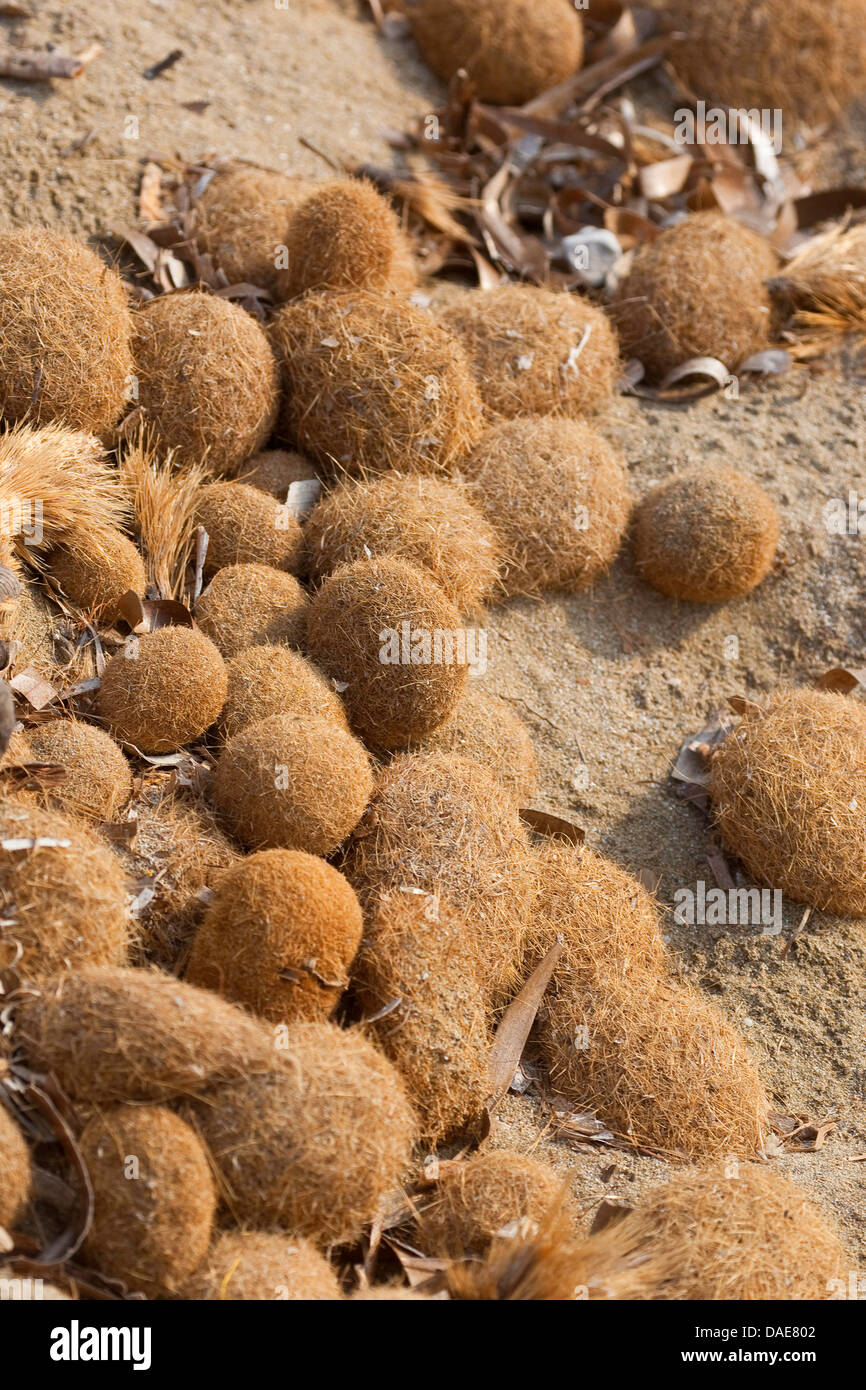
(609, 683)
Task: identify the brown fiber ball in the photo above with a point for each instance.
(252, 605)
(512, 49)
(14, 1170)
(388, 633)
(654, 1059)
(163, 689)
(245, 527)
(805, 60)
(484, 1197)
(274, 471)
(486, 730)
(372, 383)
(292, 783)
(65, 332)
(706, 535)
(97, 579)
(557, 495)
(274, 680)
(243, 219)
(317, 1146)
(176, 858)
(788, 787)
(446, 827)
(153, 1198)
(98, 780)
(62, 895)
(698, 290)
(279, 936)
(208, 383)
(345, 236)
(535, 352)
(731, 1232)
(417, 979)
(428, 521)
(113, 1034)
(254, 1266)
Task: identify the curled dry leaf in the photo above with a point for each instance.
(515, 1027)
(843, 679)
(149, 614)
(554, 827)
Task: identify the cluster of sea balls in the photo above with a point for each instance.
(356, 851)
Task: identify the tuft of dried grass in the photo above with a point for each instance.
(65, 333)
(706, 535)
(556, 494)
(540, 1263)
(163, 690)
(735, 1231)
(535, 351)
(96, 578)
(344, 236)
(275, 680)
(788, 787)
(98, 780)
(826, 281)
(698, 290)
(163, 500)
(247, 527)
(371, 383)
(262, 1265)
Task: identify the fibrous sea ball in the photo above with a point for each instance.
(275, 680)
(318, 1145)
(261, 1265)
(98, 780)
(534, 351)
(248, 605)
(788, 787)
(656, 1060)
(153, 1198)
(429, 522)
(176, 859)
(512, 51)
(96, 578)
(736, 1231)
(274, 471)
(208, 383)
(243, 219)
(750, 56)
(557, 495)
(706, 535)
(163, 689)
(114, 1034)
(279, 936)
(14, 1169)
(417, 980)
(344, 236)
(446, 827)
(485, 1197)
(245, 527)
(65, 332)
(390, 635)
(288, 782)
(696, 291)
(372, 383)
(62, 894)
(486, 730)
